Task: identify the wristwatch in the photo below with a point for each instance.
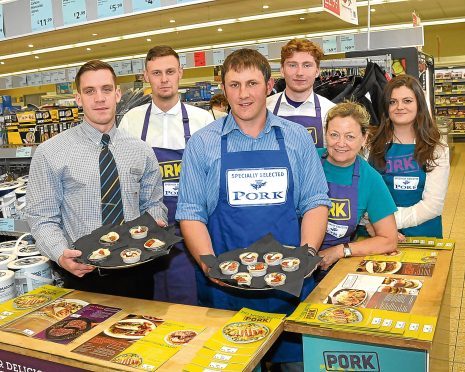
(346, 250)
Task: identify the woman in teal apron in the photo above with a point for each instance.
(354, 188)
(407, 150)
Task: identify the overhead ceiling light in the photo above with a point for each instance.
(148, 39)
(2, 63)
(266, 6)
(442, 21)
(372, 10)
(31, 45)
(36, 57)
(220, 29)
(172, 20)
(94, 34)
(88, 49)
(302, 18)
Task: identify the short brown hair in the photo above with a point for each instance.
(93, 65)
(353, 110)
(245, 58)
(160, 51)
(219, 99)
(301, 45)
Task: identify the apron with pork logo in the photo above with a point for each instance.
(406, 182)
(314, 124)
(177, 264)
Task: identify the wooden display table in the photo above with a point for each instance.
(24, 354)
(327, 349)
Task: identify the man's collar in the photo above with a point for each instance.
(310, 98)
(172, 111)
(95, 135)
(231, 124)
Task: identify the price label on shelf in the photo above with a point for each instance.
(23, 152)
(139, 5)
(74, 11)
(109, 8)
(7, 224)
(41, 15)
(218, 57)
(183, 60)
(347, 43)
(330, 44)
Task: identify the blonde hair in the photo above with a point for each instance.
(352, 109)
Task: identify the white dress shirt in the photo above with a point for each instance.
(165, 128)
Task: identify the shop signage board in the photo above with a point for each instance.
(71, 73)
(74, 11)
(57, 76)
(41, 15)
(199, 59)
(138, 66)
(218, 57)
(330, 44)
(343, 9)
(7, 224)
(46, 77)
(347, 43)
(325, 354)
(263, 49)
(109, 8)
(2, 31)
(140, 5)
(16, 362)
(183, 60)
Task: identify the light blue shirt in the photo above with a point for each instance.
(63, 193)
(200, 175)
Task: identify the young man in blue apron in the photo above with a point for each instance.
(300, 66)
(220, 211)
(167, 124)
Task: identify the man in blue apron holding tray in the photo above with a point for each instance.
(300, 66)
(220, 210)
(166, 124)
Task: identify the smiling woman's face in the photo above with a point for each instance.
(344, 140)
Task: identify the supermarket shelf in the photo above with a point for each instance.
(12, 227)
(17, 152)
(451, 105)
(442, 81)
(458, 133)
(451, 116)
(449, 93)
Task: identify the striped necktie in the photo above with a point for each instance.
(112, 204)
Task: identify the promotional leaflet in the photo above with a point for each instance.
(27, 303)
(376, 292)
(78, 323)
(404, 261)
(365, 321)
(42, 318)
(118, 336)
(151, 352)
(427, 242)
(235, 344)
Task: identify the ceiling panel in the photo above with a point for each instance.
(388, 13)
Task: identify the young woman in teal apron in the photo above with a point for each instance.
(407, 151)
(179, 263)
(354, 188)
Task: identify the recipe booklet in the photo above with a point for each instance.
(78, 323)
(376, 292)
(118, 336)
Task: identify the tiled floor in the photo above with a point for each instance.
(453, 338)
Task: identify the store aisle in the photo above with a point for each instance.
(452, 331)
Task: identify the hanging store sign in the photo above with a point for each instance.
(330, 44)
(263, 49)
(41, 15)
(343, 9)
(347, 43)
(109, 8)
(183, 60)
(2, 30)
(199, 59)
(74, 11)
(140, 5)
(218, 57)
(138, 65)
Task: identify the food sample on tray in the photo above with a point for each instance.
(248, 258)
(154, 244)
(290, 264)
(242, 278)
(99, 254)
(139, 232)
(275, 279)
(258, 269)
(110, 238)
(131, 255)
(229, 267)
(273, 258)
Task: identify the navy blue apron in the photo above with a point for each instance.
(406, 182)
(240, 219)
(314, 124)
(175, 280)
